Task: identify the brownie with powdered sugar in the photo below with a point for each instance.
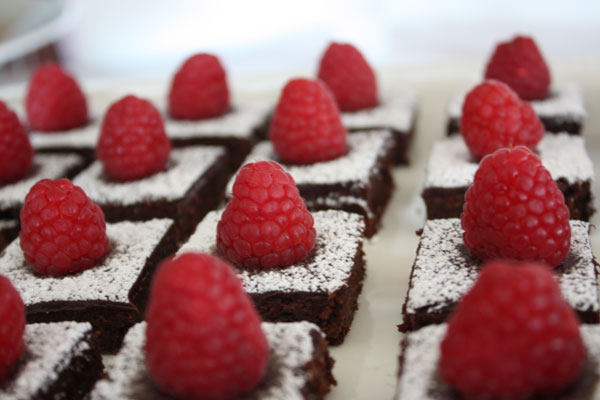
(111, 295)
(299, 366)
(359, 181)
(451, 170)
(322, 289)
(192, 184)
(418, 376)
(60, 360)
(443, 271)
(563, 110)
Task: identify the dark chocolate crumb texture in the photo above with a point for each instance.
(299, 367)
(451, 170)
(443, 271)
(323, 288)
(111, 295)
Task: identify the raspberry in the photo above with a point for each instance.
(494, 117)
(515, 210)
(203, 338)
(16, 154)
(199, 89)
(512, 335)
(62, 230)
(133, 143)
(266, 224)
(349, 76)
(306, 125)
(54, 100)
(12, 326)
(521, 66)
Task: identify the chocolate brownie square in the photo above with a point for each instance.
(60, 361)
(420, 352)
(299, 366)
(563, 111)
(45, 166)
(9, 229)
(443, 271)
(322, 289)
(192, 185)
(111, 295)
(359, 181)
(451, 170)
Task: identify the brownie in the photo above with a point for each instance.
(45, 166)
(9, 229)
(299, 367)
(322, 289)
(562, 111)
(359, 181)
(396, 113)
(111, 295)
(60, 361)
(451, 170)
(235, 130)
(443, 271)
(420, 352)
(192, 184)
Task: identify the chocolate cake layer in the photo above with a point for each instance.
(322, 289)
(443, 271)
(299, 367)
(451, 170)
(111, 295)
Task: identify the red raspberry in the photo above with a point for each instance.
(133, 143)
(16, 154)
(199, 89)
(54, 100)
(203, 338)
(349, 76)
(62, 230)
(521, 66)
(515, 210)
(266, 224)
(306, 125)
(494, 117)
(12, 326)
(512, 335)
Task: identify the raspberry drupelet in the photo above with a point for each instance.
(16, 153)
(266, 223)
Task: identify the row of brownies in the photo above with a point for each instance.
(503, 294)
(84, 269)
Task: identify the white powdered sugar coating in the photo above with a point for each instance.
(45, 166)
(444, 270)
(84, 137)
(327, 269)
(291, 348)
(189, 164)
(451, 165)
(419, 377)
(565, 103)
(339, 202)
(8, 224)
(240, 122)
(109, 281)
(49, 348)
(396, 111)
(355, 167)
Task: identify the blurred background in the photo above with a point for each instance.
(149, 39)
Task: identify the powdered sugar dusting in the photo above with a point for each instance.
(328, 268)
(451, 165)
(8, 224)
(355, 168)
(444, 270)
(566, 103)
(290, 345)
(395, 111)
(49, 348)
(45, 166)
(189, 164)
(109, 281)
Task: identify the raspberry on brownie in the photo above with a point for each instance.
(12, 318)
(16, 153)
